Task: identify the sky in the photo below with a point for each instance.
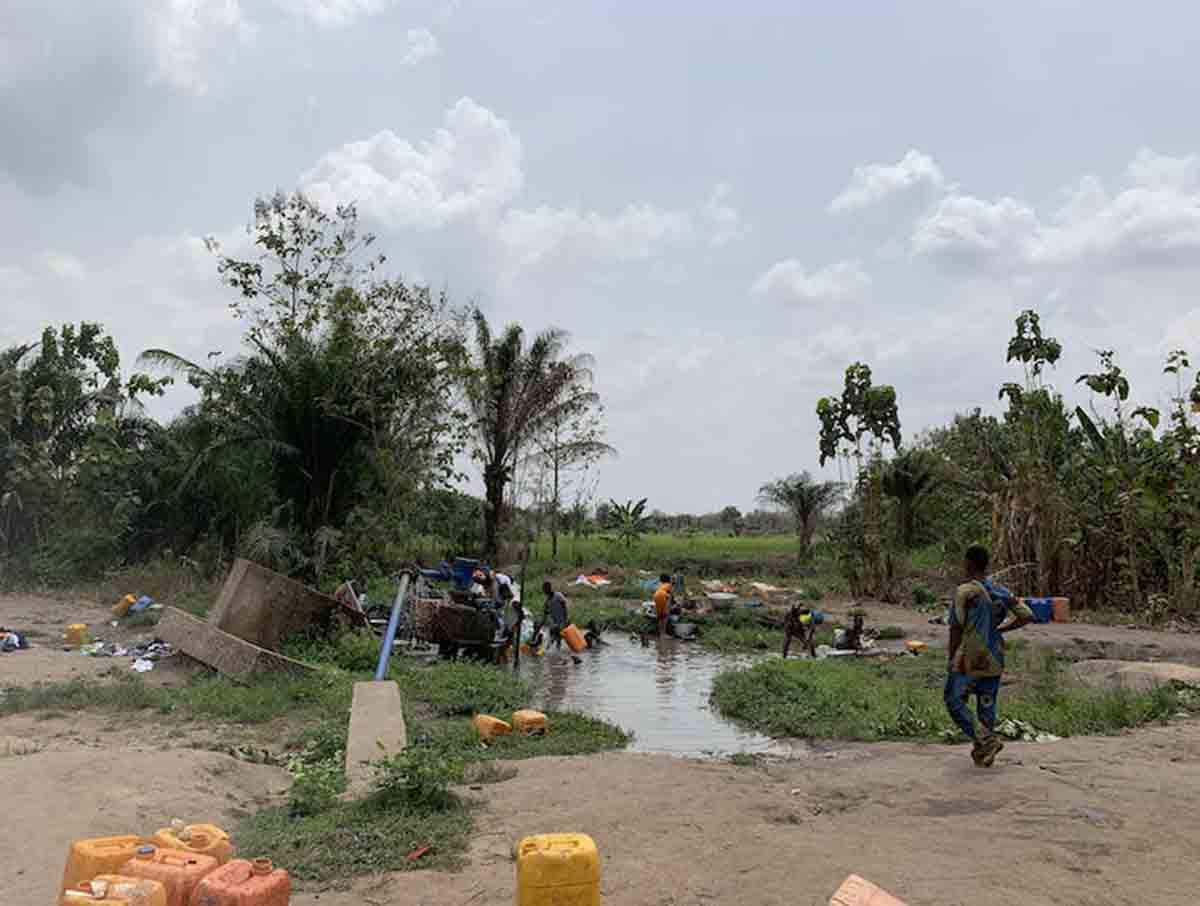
(724, 204)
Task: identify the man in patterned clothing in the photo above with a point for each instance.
(981, 615)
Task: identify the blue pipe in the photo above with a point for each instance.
(389, 637)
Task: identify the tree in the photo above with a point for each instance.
(513, 390)
(869, 411)
(55, 395)
(348, 382)
(806, 499)
(731, 519)
(909, 477)
(629, 520)
(570, 436)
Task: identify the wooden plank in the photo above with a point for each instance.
(225, 653)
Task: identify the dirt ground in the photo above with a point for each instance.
(1101, 820)
(44, 620)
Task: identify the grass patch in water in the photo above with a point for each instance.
(865, 699)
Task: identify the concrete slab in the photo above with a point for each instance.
(264, 607)
(227, 654)
(377, 731)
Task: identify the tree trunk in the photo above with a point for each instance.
(554, 515)
(493, 509)
(806, 531)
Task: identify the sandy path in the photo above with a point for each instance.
(1102, 821)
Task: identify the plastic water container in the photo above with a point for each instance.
(490, 727)
(1043, 609)
(574, 638)
(529, 722)
(243, 883)
(558, 870)
(98, 856)
(76, 635)
(1062, 610)
(115, 890)
(177, 870)
(121, 608)
(206, 839)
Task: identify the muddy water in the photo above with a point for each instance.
(659, 693)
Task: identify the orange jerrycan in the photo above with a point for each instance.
(178, 871)
(206, 839)
(116, 890)
(574, 638)
(243, 883)
(98, 856)
(490, 727)
(558, 870)
(529, 722)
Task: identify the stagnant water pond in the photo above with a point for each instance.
(660, 693)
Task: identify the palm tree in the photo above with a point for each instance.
(513, 391)
(806, 499)
(908, 478)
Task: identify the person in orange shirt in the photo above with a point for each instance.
(662, 603)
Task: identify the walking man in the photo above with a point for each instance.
(981, 616)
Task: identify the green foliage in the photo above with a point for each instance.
(923, 595)
(866, 700)
(806, 499)
(419, 778)
(462, 687)
(628, 520)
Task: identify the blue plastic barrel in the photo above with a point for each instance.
(1043, 609)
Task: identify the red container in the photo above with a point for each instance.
(179, 872)
(1062, 610)
(242, 883)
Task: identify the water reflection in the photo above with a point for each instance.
(660, 693)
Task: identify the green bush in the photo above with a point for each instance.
(923, 596)
(419, 778)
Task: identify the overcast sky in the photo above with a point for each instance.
(725, 204)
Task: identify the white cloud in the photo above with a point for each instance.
(470, 168)
(724, 223)
(422, 45)
(964, 232)
(182, 34)
(333, 13)
(839, 282)
(874, 184)
(1151, 221)
(635, 233)
(470, 172)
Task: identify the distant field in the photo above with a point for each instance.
(657, 550)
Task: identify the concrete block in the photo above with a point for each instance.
(264, 607)
(225, 653)
(377, 731)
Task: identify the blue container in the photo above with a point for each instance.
(464, 571)
(1043, 609)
